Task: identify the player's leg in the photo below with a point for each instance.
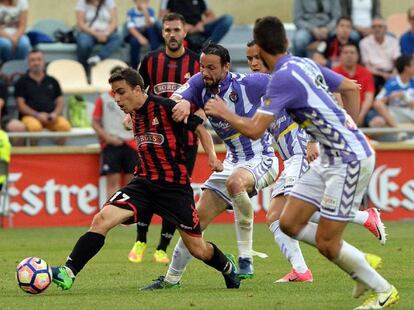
(89, 244)
(167, 233)
(209, 207)
(136, 255)
(288, 246)
(337, 208)
(245, 181)
(211, 255)
(295, 166)
(121, 208)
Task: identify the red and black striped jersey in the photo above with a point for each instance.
(163, 75)
(161, 141)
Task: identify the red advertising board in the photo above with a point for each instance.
(65, 190)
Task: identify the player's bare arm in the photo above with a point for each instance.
(252, 128)
(350, 97)
(181, 110)
(208, 146)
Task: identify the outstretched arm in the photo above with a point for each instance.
(208, 146)
(252, 128)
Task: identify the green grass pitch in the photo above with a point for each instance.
(110, 281)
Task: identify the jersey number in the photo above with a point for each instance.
(124, 197)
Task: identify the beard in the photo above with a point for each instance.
(174, 48)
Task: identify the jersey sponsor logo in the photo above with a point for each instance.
(150, 138)
(219, 123)
(329, 202)
(166, 87)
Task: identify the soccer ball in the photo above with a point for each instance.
(33, 275)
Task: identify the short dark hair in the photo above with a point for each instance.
(350, 44)
(218, 50)
(347, 18)
(131, 77)
(251, 43)
(270, 35)
(35, 50)
(403, 61)
(169, 17)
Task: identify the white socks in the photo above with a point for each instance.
(180, 258)
(289, 248)
(243, 218)
(353, 262)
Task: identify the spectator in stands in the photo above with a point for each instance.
(379, 50)
(349, 67)
(9, 123)
(362, 13)
(141, 30)
(314, 21)
(14, 44)
(201, 22)
(118, 155)
(407, 39)
(97, 24)
(395, 102)
(39, 98)
(327, 53)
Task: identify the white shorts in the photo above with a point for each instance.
(295, 167)
(336, 189)
(264, 170)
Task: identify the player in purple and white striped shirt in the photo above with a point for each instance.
(337, 180)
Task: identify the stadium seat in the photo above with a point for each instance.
(71, 76)
(12, 70)
(100, 73)
(397, 24)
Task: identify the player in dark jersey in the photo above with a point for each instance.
(164, 71)
(162, 183)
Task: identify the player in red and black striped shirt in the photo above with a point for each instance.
(164, 71)
(162, 184)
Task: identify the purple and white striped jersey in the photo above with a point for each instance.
(304, 90)
(242, 94)
(289, 137)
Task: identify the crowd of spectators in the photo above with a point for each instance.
(361, 47)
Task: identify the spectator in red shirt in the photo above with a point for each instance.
(349, 67)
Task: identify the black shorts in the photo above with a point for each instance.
(118, 159)
(173, 202)
(191, 155)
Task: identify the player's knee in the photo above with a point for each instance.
(234, 185)
(100, 223)
(326, 248)
(271, 216)
(290, 229)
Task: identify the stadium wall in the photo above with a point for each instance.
(244, 12)
(62, 187)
